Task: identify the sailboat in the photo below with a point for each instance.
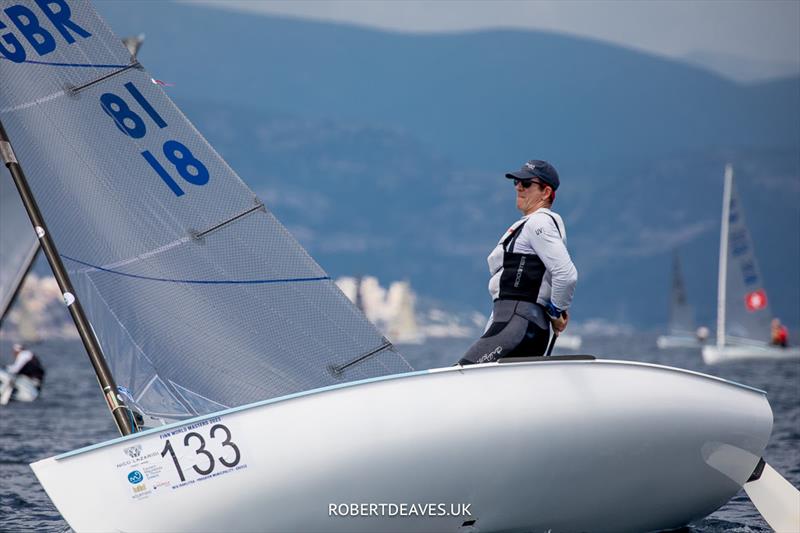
(681, 316)
(252, 395)
(743, 311)
(18, 249)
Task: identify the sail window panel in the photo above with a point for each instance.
(198, 403)
(129, 365)
(236, 344)
(158, 401)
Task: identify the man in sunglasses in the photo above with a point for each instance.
(533, 278)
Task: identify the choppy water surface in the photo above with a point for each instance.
(71, 413)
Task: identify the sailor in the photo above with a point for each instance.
(779, 333)
(26, 364)
(532, 276)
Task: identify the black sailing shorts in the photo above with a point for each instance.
(510, 335)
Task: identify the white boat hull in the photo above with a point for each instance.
(714, 354)
(20, 388)
(561, 445)
(666, 342)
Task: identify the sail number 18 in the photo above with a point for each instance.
(206, 461)
(191, 169)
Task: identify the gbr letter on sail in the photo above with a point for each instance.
(163, 242)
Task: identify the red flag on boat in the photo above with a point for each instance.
(756, 300)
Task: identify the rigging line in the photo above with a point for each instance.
(339, 369)
(56, 64)
(199, 281)
(76, 90)
(226, 222)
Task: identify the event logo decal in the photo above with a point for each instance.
(135, 477)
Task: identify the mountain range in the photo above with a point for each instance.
(384, 152)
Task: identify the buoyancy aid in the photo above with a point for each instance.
(33, 369)
(522, 273)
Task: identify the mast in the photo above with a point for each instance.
(722, 277)
(120, 412)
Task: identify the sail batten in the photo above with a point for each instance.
(197, 294)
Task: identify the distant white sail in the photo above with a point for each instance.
(165, 245)
(747, 311)
(681, 314)
(18, 243)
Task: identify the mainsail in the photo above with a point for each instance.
(746, 309)
(681, 315)
(18, 244)
(198, 296)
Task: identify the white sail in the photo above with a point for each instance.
(198, 296)
(18, 244)
(747, 311)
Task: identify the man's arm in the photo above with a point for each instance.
(550, 248)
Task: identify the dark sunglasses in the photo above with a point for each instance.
(525, 183)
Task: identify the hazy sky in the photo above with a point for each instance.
(764, 31)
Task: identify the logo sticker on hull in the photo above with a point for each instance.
(135, 477)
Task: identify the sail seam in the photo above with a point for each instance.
(198, 281)
(140, 257)
(33, 103)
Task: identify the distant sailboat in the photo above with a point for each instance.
(681, 315)
(743, 312)
(275, 404)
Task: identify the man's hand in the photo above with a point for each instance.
(560, 323)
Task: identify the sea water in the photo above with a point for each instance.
(71, 413)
